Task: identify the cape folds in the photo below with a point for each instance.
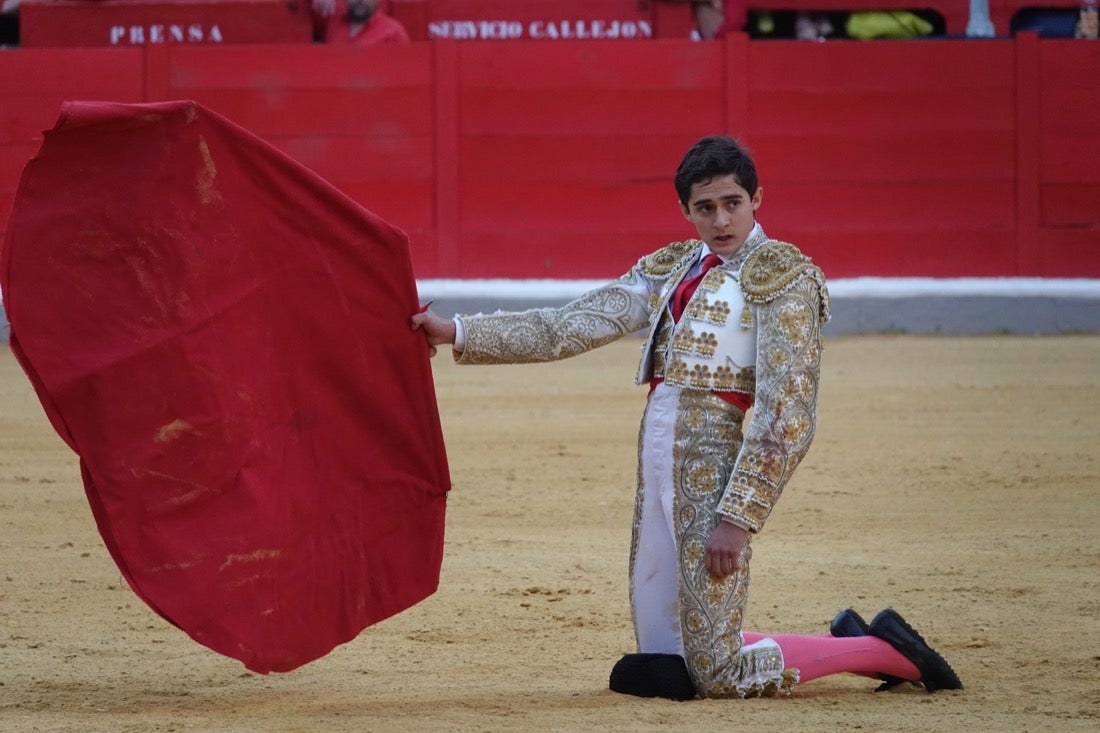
(222, 337)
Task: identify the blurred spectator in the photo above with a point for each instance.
(709, 17)
(717, 18)
(712, 17)
(9, 23)
(355, 22)
(1087, 25)
(812, 27)
(887, 24)
(734, 17)
(1047, 22)
(829, 25)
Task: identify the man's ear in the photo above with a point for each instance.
(684, 210)
(757, 198)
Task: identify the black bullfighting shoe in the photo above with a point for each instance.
(849, 624)
(935, 672)
(652, 675)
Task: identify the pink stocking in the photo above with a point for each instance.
(818, 656)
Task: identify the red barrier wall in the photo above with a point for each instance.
(530, 160)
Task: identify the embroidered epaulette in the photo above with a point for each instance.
(665, 260)
(771, 270)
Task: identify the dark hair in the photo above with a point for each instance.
(712, 157)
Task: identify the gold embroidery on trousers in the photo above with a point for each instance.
(707, 440)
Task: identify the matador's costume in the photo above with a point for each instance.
(749, 336)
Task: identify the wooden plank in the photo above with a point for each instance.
(1071, 158)
(897, 67)
(630, 156)
(446, 63)
(1069, 253)
(13, 159)
(485, 111)
(1028, 137)
(1067, 64)
(407, 206)
(537, 254)
(640, 66)
(291, 111)
(1069, 109)
(839, 159)
(107, 73)
(895, 112)
(158, 70)
(14, 156)
(306, 66)
(573, 208)
(923, 208)
(1071, 205)
(971, 252)
(394, 160)
(737, 71)
(26, 116)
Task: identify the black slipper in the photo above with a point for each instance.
(935, 672)
(849, 624)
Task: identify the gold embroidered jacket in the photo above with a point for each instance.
(754, 326)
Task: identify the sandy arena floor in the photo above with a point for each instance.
(957, 480)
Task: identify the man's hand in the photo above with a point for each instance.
(724, 548)
(437, 330)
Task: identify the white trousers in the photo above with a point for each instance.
(720, 666)
(655, 594)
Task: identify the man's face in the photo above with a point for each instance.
(722, 212)
(361, 10)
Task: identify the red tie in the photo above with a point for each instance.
(687, 288)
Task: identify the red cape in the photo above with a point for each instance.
(223, 339)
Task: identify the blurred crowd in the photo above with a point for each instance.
(716, 18)
(366, 22)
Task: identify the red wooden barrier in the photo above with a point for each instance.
(1067, 177)
(34, 83)
(531, 159)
